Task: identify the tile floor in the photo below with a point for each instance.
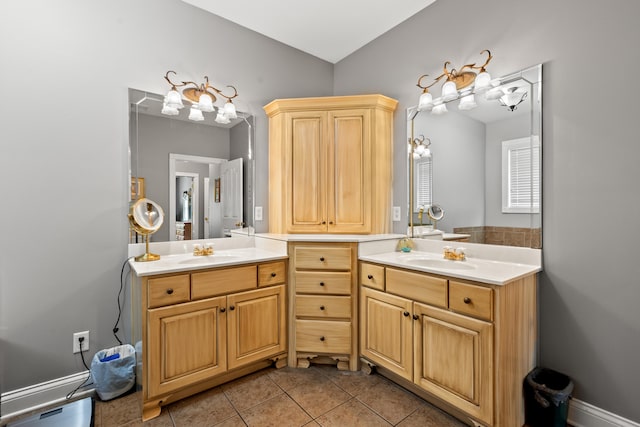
(318, 396)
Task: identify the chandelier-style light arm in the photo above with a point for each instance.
(426, 88)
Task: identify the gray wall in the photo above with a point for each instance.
(589, 319)
(61, 256)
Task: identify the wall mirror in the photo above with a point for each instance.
(201, 173)
(483, 166)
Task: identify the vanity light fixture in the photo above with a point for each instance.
(461, 83)
(201, 97)
(420, 147)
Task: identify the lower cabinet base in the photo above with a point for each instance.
(151, 408)
(342, 362)
(369, 368)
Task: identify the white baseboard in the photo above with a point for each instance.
(582, 414)
(32, 398)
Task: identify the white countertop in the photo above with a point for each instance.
(188, 262)
(357, 238)
(476, 269)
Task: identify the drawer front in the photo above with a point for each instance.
(223, 281)
(372, 276)
(323, 258)
(273, 273)
(416, 286)
(330, 282)
(323, 336)
(168, 290)
(321, 306)
(470, 299)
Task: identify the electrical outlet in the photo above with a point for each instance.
(76, 341)
(396, 213)
(258, 213)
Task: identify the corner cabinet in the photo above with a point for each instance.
(466, 346)
(330, 164)
(198, 329)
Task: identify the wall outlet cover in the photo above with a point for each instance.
(258, 213)
(396, 213)
(76, 341)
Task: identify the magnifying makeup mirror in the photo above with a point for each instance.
(436, 213)
(146, 217)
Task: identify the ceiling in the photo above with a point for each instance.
(327, 29)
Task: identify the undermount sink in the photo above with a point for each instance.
(207, 259)
(443, 264)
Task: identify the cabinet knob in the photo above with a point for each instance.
(321, 283)
(169, 291)
(222, 309)
(273, 274)
(467, 300)
(322, 258)
(322, 307)
(406, 314)
(321, 338)
(233, 307)
(416, 317)
(331, 222)
(324, 222)
(370, 277)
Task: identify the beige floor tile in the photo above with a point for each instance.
(251, 390)
(390, 401)
(164, 420)
(204, 409)
(120, 411)
(289, 378)
(234, 421)
(352, 414)
(353, 382)
(429, 416)
(319, 397)
(281, 411)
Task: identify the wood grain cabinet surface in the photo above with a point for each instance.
(330, 164)
(467, 344)
(199, 329)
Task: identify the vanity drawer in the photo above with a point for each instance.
(223, 281)
(167, 290)
(272, 273)
(323, 258)
(372, 276)
(329, 282)
(323, 306)
(323, 336)
(417, 286)
(470, 299)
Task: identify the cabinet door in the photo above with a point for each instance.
(306, 206)
(453, 357)
(186, 344)
(349, 171)
(386, 331)
(257, 325)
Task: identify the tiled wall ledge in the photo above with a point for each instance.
(504, 236)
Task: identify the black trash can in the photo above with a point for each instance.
(546, 398)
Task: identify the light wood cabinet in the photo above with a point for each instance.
(203, 328)
(467, 344)
(323, 300)
(330, 164)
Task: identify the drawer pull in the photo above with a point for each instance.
(416, 317)
(322, 258)
(321, 338)
(405, 314)
(370, 277)
(467, 300)
(222, 309)
(324, 222)
(169, 291)
(233, 307)
(321, 283)
(322, 307)
(273, 274)
(330, 222)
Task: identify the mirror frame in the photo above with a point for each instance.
(135, 98)
(533, 75)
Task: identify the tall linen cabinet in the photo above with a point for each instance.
(330, 164)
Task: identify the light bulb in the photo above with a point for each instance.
(467, 102)
(173, 99)
(426, 102)
(449, 91)
(483, 82)
(439, 109)
(169, 111)
(205, 103)
(230, 110)
(195, 114)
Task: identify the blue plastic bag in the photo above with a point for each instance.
(114, 371)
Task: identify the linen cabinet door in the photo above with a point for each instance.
(306, 204)
(186, 344)
(349, 171)
(256, 324)
(453, 359)
(386, 331)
